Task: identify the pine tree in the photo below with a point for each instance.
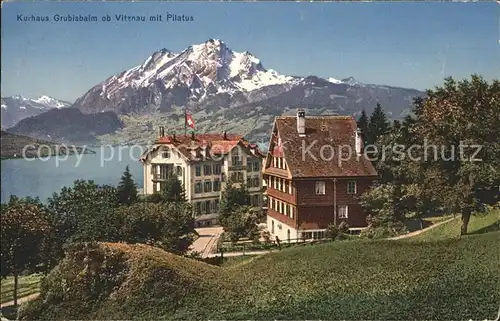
(127, 189)
(173, 191)
(363, 124)
(379, 125)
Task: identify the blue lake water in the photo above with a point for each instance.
(42, 177)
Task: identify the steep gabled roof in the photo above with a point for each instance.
(310, 156)
(213, 143)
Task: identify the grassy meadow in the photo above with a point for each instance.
(449, 279)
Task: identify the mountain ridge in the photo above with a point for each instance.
(17, 107)
(220, 88)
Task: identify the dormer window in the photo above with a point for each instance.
(166, 153)
(320, 188)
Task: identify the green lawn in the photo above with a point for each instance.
(454, 279)
(479, 223)
(233, 261)
(27, 285)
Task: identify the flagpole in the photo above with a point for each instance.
(185, 123)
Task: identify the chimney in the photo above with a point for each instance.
(173, 137)
(193, 136)
(224, 135)
(301, 122)
(162, 131)
(358, 141)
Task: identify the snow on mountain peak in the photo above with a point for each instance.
(19, 97)
(49, 102)
(334, 80)
(203, 68)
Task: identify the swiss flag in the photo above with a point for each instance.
(189, 120)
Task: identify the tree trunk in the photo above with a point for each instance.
(15, 288)
(465, 221)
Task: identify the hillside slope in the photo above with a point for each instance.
(68, 125)
(456, 279)
(12, 146)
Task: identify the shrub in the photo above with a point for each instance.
(344, 227)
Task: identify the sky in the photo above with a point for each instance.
(405, 44)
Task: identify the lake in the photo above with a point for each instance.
(43, 176)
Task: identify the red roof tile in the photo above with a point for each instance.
(216, 143)
(303, 155)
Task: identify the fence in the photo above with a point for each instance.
(227, 247)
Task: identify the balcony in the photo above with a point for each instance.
(289, 198)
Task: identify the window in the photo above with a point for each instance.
(306, 235)
(351, 187)
(179, 170)
(343, 211)
(217, 169)
(208, 206)
(255, 200)
(203, 207)
(207, 186)
(197, 170)
(235, 157)
(197, 187)
(216, 185)
(292, 210)
(237, 176)
(216, 206)
(197, 208)
(256, 182)
(256, 166)
(166, 153)
(320, 188)
(207, 170)
(249, 165)
(272, 203)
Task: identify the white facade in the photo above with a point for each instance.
(289, 234)
(205, 178)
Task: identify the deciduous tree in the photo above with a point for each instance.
(25, 233)
(457, 114)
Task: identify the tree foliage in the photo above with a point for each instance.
(172, 190)
(363, 123)
(456, 167)
(84, 212)
(233, 196)
(127, 189)
(378, 126)
(243, 222)
(465, 112)
(25, 238)
(169, 226)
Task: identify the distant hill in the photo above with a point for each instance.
(12, 146)
(68, 125)
(16, 108)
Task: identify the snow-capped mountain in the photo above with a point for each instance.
(16, 108)
(211, 75)
(222, 88)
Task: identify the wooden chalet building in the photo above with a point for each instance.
(308, 187)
